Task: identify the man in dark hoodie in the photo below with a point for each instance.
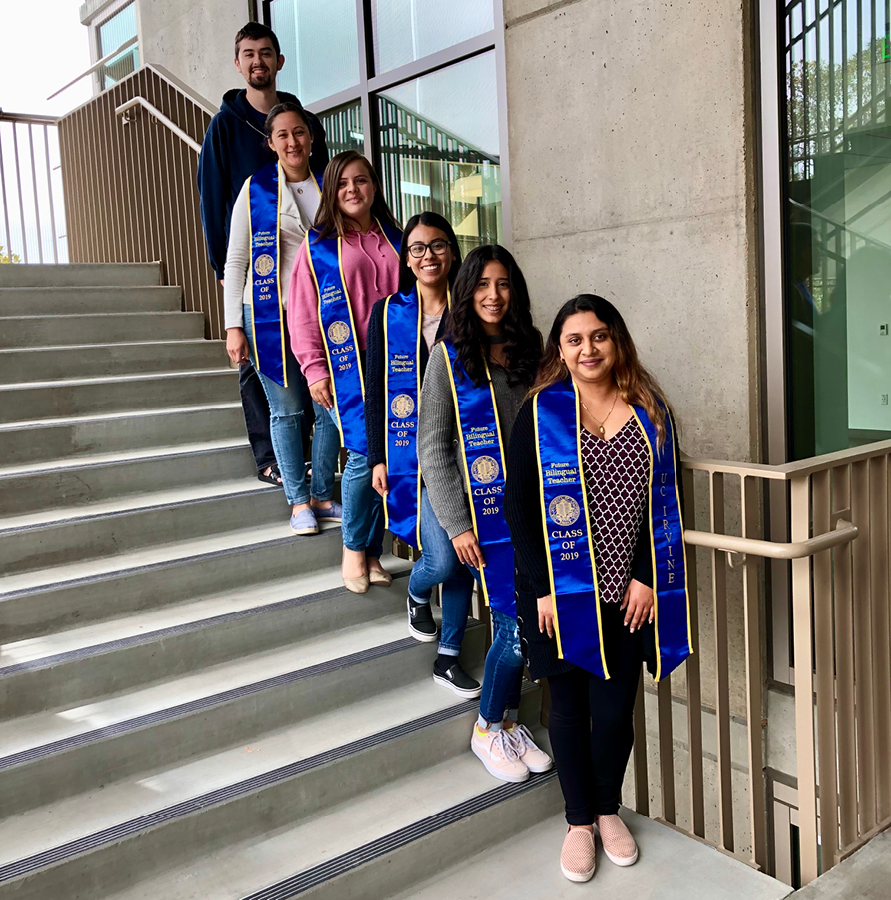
(235, 148)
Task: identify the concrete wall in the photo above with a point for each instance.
(193, 41)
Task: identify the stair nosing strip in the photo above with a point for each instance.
(229, 792)
(402, 837)
(47, 662)
(201, 704)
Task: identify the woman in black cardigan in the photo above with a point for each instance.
(591, 366)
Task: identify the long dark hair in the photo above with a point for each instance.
(329, 219)
(431, 220)
(522, 345)
(636, 386)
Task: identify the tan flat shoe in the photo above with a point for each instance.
(384, 578)
(358, 585)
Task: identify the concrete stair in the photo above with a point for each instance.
(191, 704)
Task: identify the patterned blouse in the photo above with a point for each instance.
(616, 476)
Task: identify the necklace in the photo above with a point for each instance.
(602, 425)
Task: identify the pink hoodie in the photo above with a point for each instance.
(371, 270)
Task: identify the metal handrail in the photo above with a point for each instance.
(97, 65)
(159, 117)
(844, 533)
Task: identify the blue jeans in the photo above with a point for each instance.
(363, 512)
(439, 564)
(285, 427)
(503, 678)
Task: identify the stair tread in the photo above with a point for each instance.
(153, 790)
(36, 730)
(105, 315)
(124, 456)
(145, 622)
(157, 554)
(44, 348)
(705, 873)
(116, 379)
(135, 502)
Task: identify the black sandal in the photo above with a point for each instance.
(274, 477)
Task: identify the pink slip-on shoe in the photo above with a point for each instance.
(618, 843)
(578, 858)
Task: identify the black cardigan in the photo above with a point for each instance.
(522, 509)
(375, 368)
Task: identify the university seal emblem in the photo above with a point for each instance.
(264, 264)
(402, 406)
(564, 511)
(484, 469)
(338, 332)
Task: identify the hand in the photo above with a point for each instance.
(638, 605)
(379, 479)
(237, 346)
(468, 549)
(546, 615)
(222, 282)
(320, 391)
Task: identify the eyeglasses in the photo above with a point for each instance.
(438, 247)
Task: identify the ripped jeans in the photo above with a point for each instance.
(503, 679)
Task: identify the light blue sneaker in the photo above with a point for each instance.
(304, 522)
(333, 514)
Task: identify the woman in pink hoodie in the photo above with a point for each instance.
(349, 260)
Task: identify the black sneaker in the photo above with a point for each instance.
(420, 622)
(455, 678)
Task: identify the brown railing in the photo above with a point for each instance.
(130, 163)
(838, 557)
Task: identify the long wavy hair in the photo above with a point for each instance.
(431, 220)
(329, 218)
(522, 345)
(636, 386)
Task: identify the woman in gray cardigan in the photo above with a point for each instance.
(270, 218)
(475, 383)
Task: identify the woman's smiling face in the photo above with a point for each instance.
(355, 191)
(491, 299)
(432, 268)
(587, 348)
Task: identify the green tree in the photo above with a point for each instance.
(8, 257)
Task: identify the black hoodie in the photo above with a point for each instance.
(235, 148)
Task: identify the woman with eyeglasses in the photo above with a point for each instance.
(476, 380)
(401, 337)
(347, 263)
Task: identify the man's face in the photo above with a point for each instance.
(258, 63)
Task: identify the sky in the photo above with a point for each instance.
(29, 78)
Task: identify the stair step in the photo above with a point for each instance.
(105, 435)
(48, 301)
(51, 488)
(101, 360)
(80, 274)
(136, 648)
(25, 404)
(99, 328)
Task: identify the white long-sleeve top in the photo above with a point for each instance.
(238, 273)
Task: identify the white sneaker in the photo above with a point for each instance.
(536, 760)
(496, 752)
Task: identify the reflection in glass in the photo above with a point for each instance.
(440, 152)
(838, 234)
(343, 128)
(112, 33)
(320, 45)
(406, 30)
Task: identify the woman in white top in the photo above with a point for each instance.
(270, 218)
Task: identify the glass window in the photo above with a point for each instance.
(320, 45)
(439, 149)
(343, 128)
(112, 33)
(838, 225)
(406, 30)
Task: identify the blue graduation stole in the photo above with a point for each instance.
(402, 390)
(566, 520)
(264, 218)
(480, 434)
(339, 333)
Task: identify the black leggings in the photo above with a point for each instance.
(591, 724)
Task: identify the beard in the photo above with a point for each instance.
(260, 78)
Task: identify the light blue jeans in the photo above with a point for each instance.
(439, 564)
(285, 415)
(363, 512)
